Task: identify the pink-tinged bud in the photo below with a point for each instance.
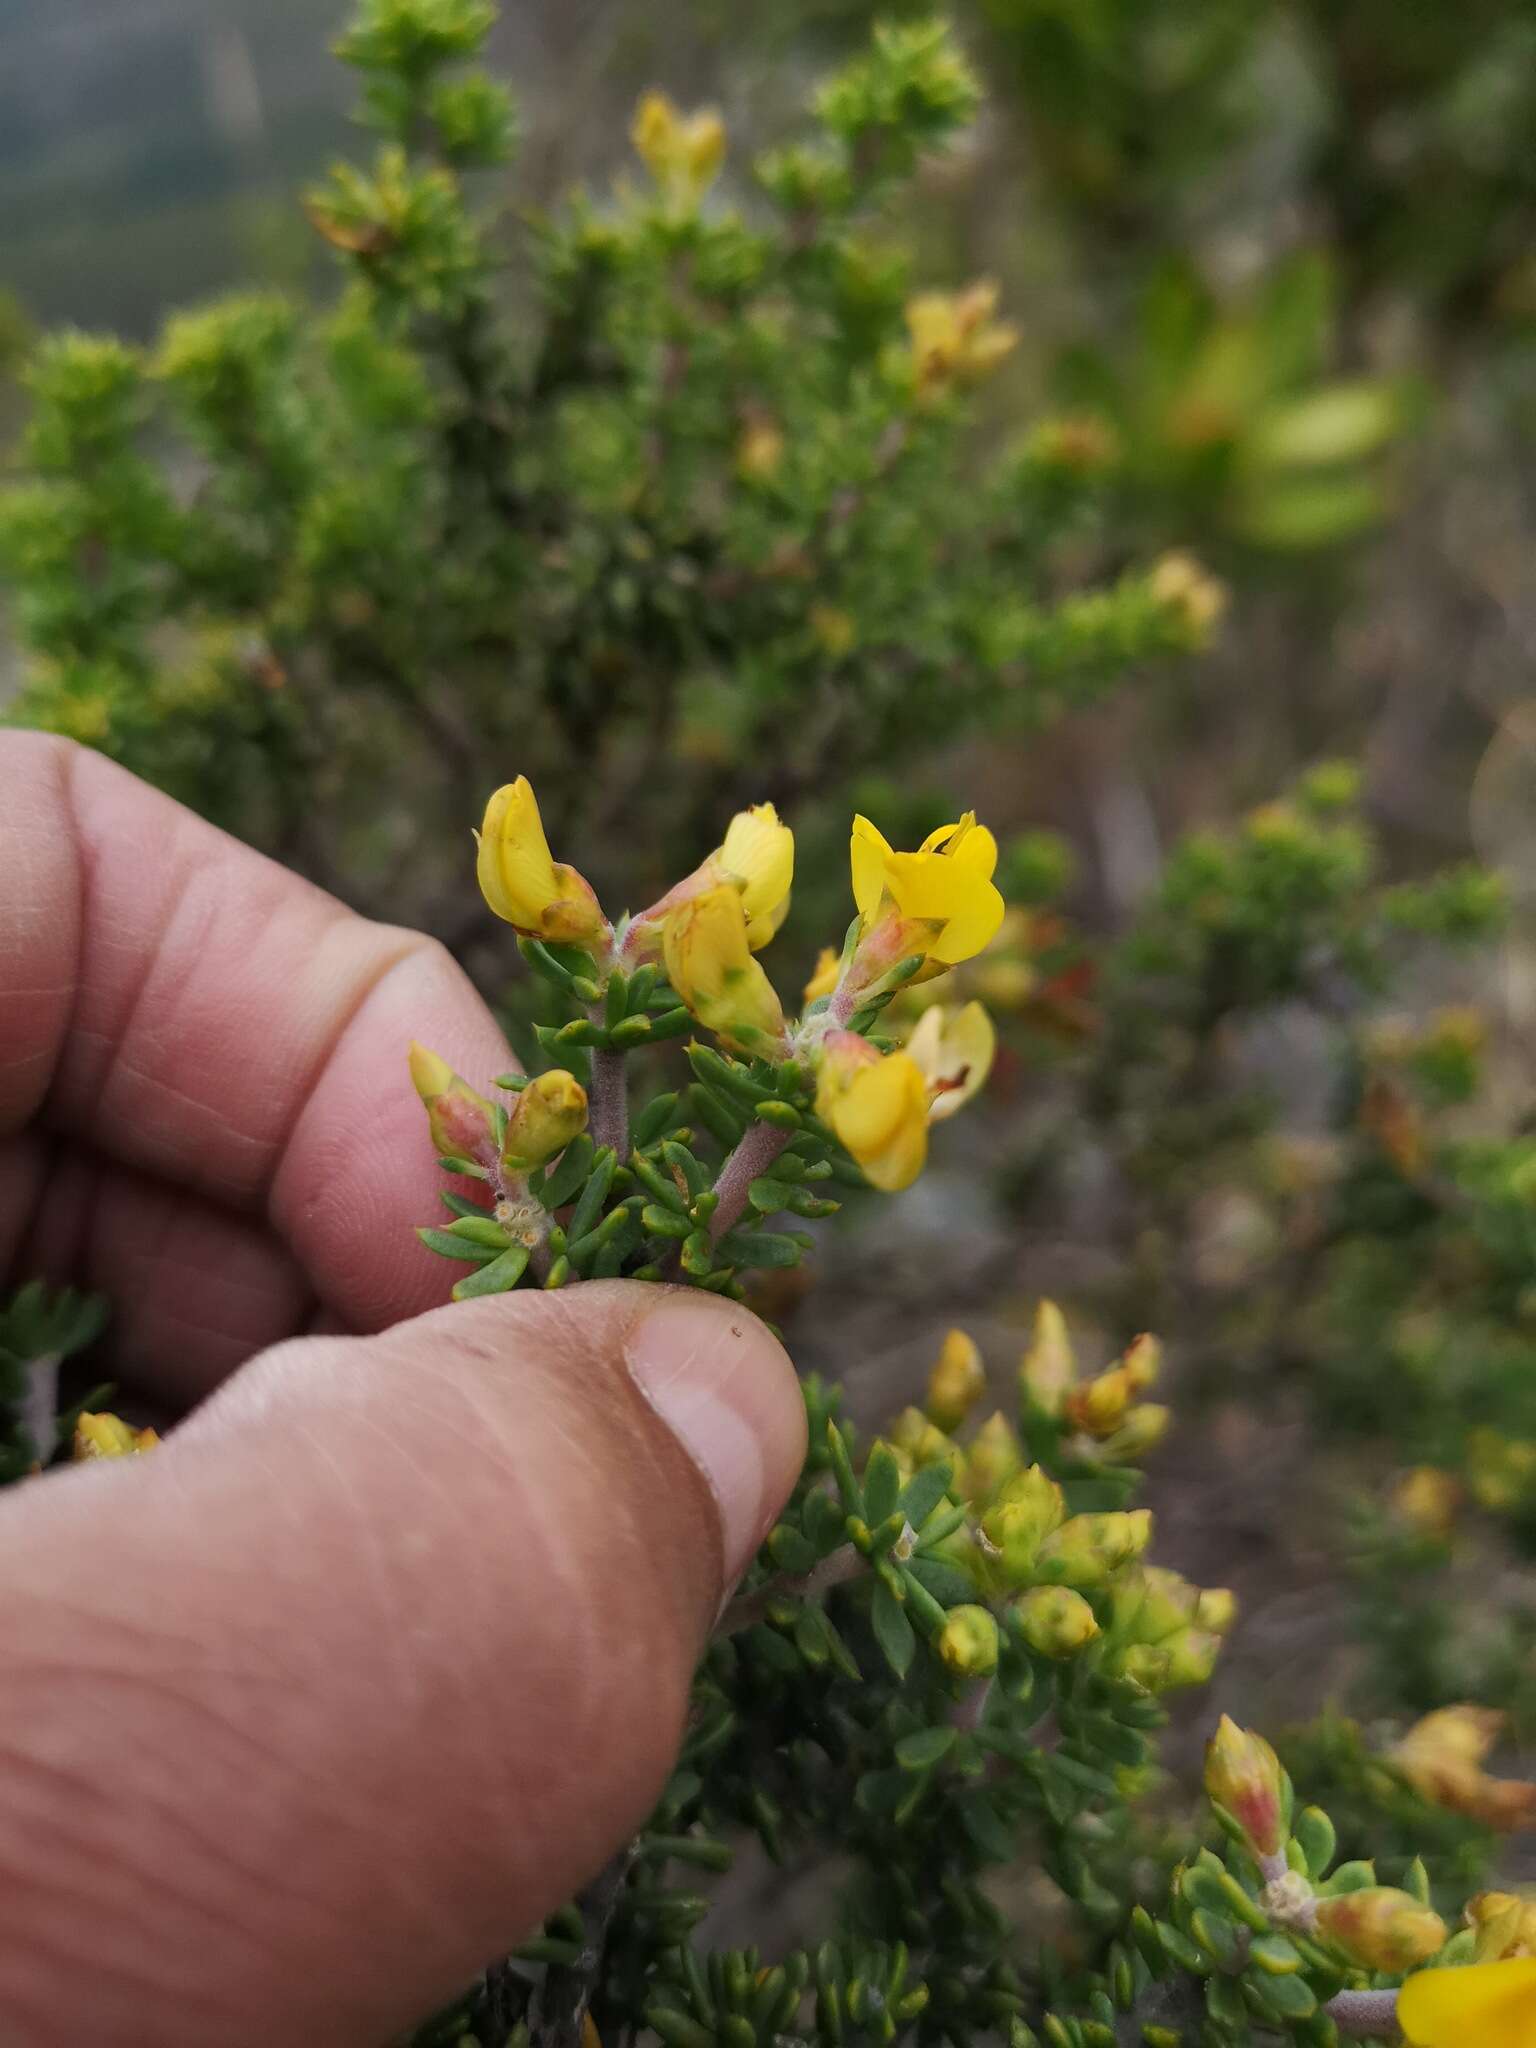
(1380, 1928)
(462, 1122)
(1243, 1775)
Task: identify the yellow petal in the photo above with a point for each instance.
(868, 852)
(955, 1049)
(760, 852)
(710, 965)
(1482, 2005)
(517, 873)
(826, 976)
(881, 1116)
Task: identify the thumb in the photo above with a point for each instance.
(314, 1711)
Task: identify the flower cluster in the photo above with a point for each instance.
(580, 1186)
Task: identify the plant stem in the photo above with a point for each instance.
(608, 1117)
(1361, 2014)
(757, 1151)
(40, 1405)
(747, 1609)
(560, 2004)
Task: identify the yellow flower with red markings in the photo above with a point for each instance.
(708, 954)
(537, 895)
(955, 1047)
(940, 902)
(1483, 2005)
(877, 1107)
(954, 337)
(1381, 1927)
(1243, 1775)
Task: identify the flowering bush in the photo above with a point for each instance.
(685, 475)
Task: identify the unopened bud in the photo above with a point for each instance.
(549, 1112)
(461, 1121)
(1029, 1507)
(1048, 1369)
(1143, 1430)
(957, 1382)
(1089, 1549)
(1056, 1621)
(1427, 1499)
(1243, 1775)
(1381, 1928)
(991, 1458)
(968, 1642)
(918, 1442)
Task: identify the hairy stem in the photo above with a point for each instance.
(1361, 2014)
(608, 1115)
(757, 1151)
(560, 2005)
(40, 1405)
(747, 1609)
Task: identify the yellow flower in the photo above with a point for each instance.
(1427, 1499)
(462, 1122)
(710, 965)
(829, 967)
(957, 1382)
(548, 1113)
(945, 889)
(877, 1106)
(756, 857)
(1505, 1926)
(1184, 587)
(1442, 1758)
(538, 896)
(1102, 1405)
(955, 339)
(1483, 2005)
(760, 449)
(108, 1436)
(682, 152)
(955, 1048)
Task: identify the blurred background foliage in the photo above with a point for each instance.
(1250, 491)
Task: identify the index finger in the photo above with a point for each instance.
(188, 1008)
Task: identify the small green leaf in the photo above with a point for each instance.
(448, 1247)
(929, 1746)
(495, 1278)
(893, 1631)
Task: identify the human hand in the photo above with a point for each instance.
(309, 1715)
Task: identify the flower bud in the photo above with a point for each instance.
(957, 1382)
(462, 1122)
(709, 962)
(877, 1104)
(921, 1442)
(1028, 1508)
(1442, 1758)
(1056, 1621)
(1089, 1549)
(992, 1457)
(1048, 1369)
(108, 1436)
(1381, 1928)
(968, 1642)
(1143, 1430)
(1243, 1775)
(548, 1113)
(537, 895)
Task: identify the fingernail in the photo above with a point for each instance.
(726, 1389)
